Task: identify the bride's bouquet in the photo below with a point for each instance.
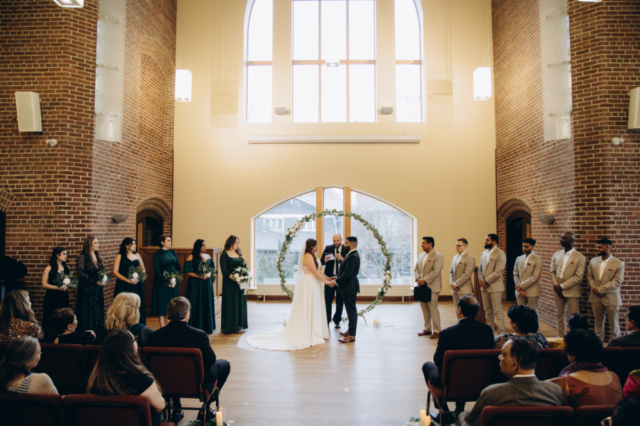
(172, 278)
(65, 279)
(242, 276)
(137, 274)
(206, 270)
(103, 277)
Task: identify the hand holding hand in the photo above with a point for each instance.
(64, 288)
(518, 287)
(596, 292)
(421, 282)
(522, 293)
(484, 285)
(134, 282)
(100, 283)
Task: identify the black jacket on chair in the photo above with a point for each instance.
(179, 334)
(328, 266)
(347, 279)
(466, 334)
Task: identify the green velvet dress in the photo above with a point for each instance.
(200, 294)
(234, 301)
(163, 260)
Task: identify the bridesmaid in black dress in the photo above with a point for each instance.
(125, 259)
(54, 297)
(90, 309)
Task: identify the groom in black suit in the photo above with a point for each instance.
(332, 258)
(349, 286)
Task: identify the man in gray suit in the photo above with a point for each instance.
(567, 271)
(518, 362)
(428, 272)
(632, 338)
(461, 272)
(605, 274)
(526, 273)
(490, 278)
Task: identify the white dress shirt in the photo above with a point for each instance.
(567, 256)
(603, 266)
(488, 258)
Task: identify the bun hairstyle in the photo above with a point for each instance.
(308, 248)
(161, 239)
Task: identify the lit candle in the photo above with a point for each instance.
(424, 419)
(220, 417)
(376, 322)
(286, 318)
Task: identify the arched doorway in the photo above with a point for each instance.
(149, 225)
(518, 228)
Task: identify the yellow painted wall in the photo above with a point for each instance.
(220, 181)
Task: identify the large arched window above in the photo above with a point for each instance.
(259, 55)
(408, 61)
(396, 227)
(334, 78)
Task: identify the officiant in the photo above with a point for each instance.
(332, 258)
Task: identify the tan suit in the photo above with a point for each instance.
(491, 271)
(429, 268)
(461, 276)
(609, 287)
(569, 279)
(526, 273)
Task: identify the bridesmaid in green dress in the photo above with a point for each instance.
(125, 259)
(234, 301)
(164, 260)
(200, 289)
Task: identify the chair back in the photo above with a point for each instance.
(179, 371)
(630, 362)
(592, 415)
(550, 363)
(100, 410)
(526, 416)
(466, 373)
(31, 409)
(612, 359)
(91, 355)
(65, 365)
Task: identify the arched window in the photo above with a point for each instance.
(334, 61)
(408, 61)
(397, 229)
(259, 55)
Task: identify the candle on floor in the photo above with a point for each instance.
(377, 320)
(220, 417)
(425, 420)
(286, 318)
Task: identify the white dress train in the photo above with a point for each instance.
(307, 325)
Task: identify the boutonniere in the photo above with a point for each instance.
(571, 263)
(428, 261)
(611, 269)
(528, 264)
(490, 260)
(459, 263)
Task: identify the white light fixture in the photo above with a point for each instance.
(183, 86)
(69, 3)
(482, 83)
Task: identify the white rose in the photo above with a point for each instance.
(208, 275)
(134, 275)
(173, 281)
(236, 276)
(104, 279)
(66, 281)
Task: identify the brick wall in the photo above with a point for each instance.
(590, 186)
(58, 196)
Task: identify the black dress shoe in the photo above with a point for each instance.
(338, 325)
(177, 416)
(448, 418)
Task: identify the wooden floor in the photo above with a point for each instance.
(376, 381)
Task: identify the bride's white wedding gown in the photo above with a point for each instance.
(307, 325)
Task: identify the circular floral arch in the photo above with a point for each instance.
(293, 231)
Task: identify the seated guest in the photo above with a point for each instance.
(120, 372)
(16, 317)
(578, 322)
(626, 413)
(179, 334)
(585, 381)
(63, 324)
(632, 338)
(524, 322)
(20, 356)
(467, 334)
(518, 362)
(125, 313)
(632, 387)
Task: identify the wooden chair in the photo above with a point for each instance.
(526, 416)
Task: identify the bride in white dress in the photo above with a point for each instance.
(307, 325)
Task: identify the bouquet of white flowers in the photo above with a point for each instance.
(137, 274)
(243, 277)
(172, 278)
(64, 279)
(103, 277)
(206, 270)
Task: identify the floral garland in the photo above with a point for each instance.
(293, 231)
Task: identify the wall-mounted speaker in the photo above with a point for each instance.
(29, 117)
(634, 109)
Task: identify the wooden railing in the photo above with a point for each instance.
(183, 253)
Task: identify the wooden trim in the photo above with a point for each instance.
(347, 209)
(320, 220)
(408, 62)
(255, 63)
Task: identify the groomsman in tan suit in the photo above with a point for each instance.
(490, 278)
(567, 271)
(428, 272)
(605, 275)
(526, 273)
(461, 272)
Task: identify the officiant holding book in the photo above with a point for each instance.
(332, 258)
